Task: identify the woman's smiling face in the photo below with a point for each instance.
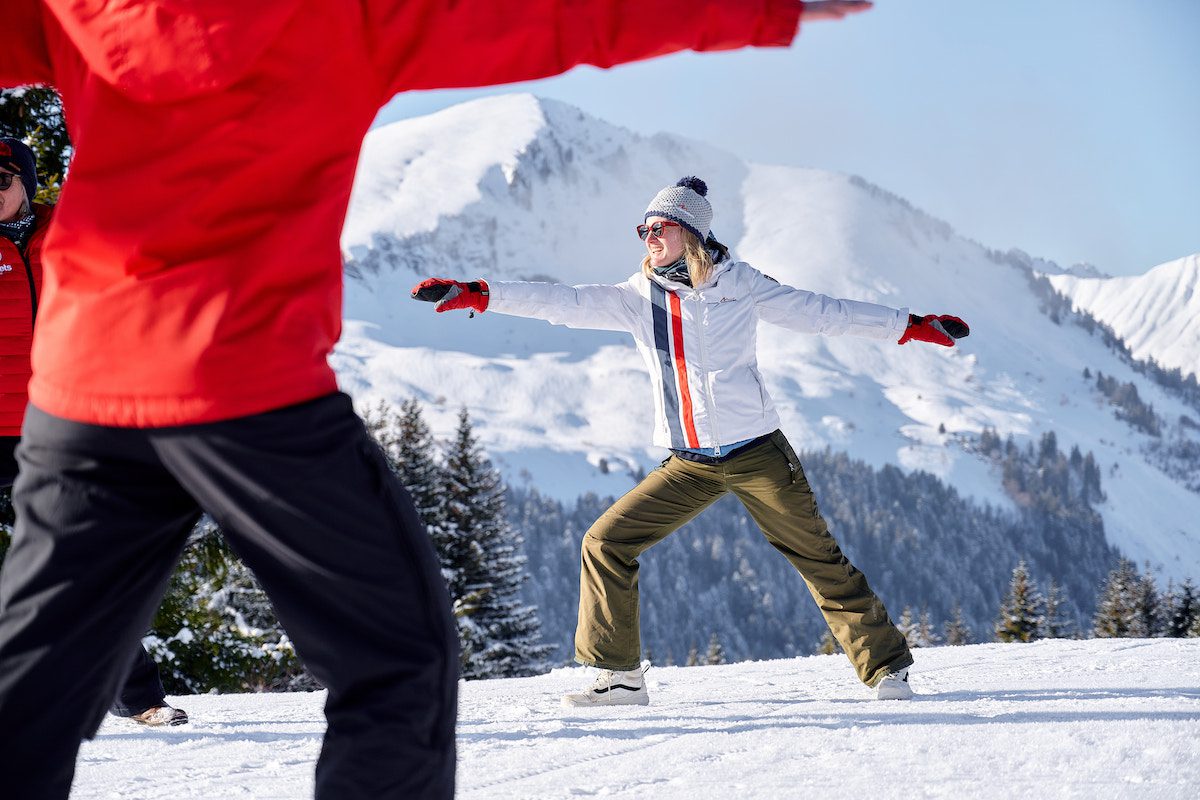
(12, 198)
(665, 248)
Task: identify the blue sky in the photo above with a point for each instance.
(1068, 128)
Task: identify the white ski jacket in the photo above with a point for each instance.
(699, 344)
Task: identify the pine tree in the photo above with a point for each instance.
(1116, 610)
(215, 630)
(409, 447)
(828, 645)
(1148, 613)
(1167, 609)
(909, 627)
(8, 518)
(1055, 624)
(716, 653)
(1185, 610)
(693, 657)
(1091, 480)
(1021, 612)
(925, 632)
(35, 116)
(957, 632)
(500, 636)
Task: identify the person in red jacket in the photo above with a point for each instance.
(23, 225)
(192, 295)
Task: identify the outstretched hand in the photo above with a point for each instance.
(940, 329)
(448, 295)
(832, 9)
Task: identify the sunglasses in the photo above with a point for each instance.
(6, 180)
(658, 229)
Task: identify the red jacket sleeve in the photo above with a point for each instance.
(24, 57)
(441, 44)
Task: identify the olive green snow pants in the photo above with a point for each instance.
(769, 482)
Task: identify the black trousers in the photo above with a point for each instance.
(8, 460)
(143, 688)
(308, 502)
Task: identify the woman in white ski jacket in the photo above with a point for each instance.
(693, 313)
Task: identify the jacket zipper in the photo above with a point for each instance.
(33, 300)
(705, 377)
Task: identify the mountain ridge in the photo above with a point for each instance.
(556, 194)
(1157, 314)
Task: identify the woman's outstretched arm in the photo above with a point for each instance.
(595, 306)
(809, 312)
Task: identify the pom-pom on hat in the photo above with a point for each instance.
(686, 204)
(15, 156)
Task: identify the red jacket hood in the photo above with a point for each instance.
(158, 51)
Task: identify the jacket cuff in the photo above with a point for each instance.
(781, 23)
(496, 296)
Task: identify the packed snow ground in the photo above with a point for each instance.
(1071, 719)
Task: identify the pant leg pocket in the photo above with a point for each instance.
(799, 487)
(780, 441)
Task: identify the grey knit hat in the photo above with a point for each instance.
(684, 203)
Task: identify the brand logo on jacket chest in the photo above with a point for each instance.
(5, 268)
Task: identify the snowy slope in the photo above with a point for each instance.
(1157, 314)
(517, 187)
(1089, 719)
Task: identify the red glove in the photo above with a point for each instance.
(448, 295)
(940, 329)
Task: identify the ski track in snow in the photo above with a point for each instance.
(1069, 719)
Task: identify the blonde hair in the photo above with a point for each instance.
(699, 260)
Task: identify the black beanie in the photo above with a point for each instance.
(15, 155)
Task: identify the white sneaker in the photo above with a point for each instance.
(894, 686)
(611, 688)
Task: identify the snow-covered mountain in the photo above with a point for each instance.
(517, 187)
(1157, 314)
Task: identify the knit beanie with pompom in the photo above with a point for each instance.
(686, 204)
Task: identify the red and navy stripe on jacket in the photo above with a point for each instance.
(672, 365)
